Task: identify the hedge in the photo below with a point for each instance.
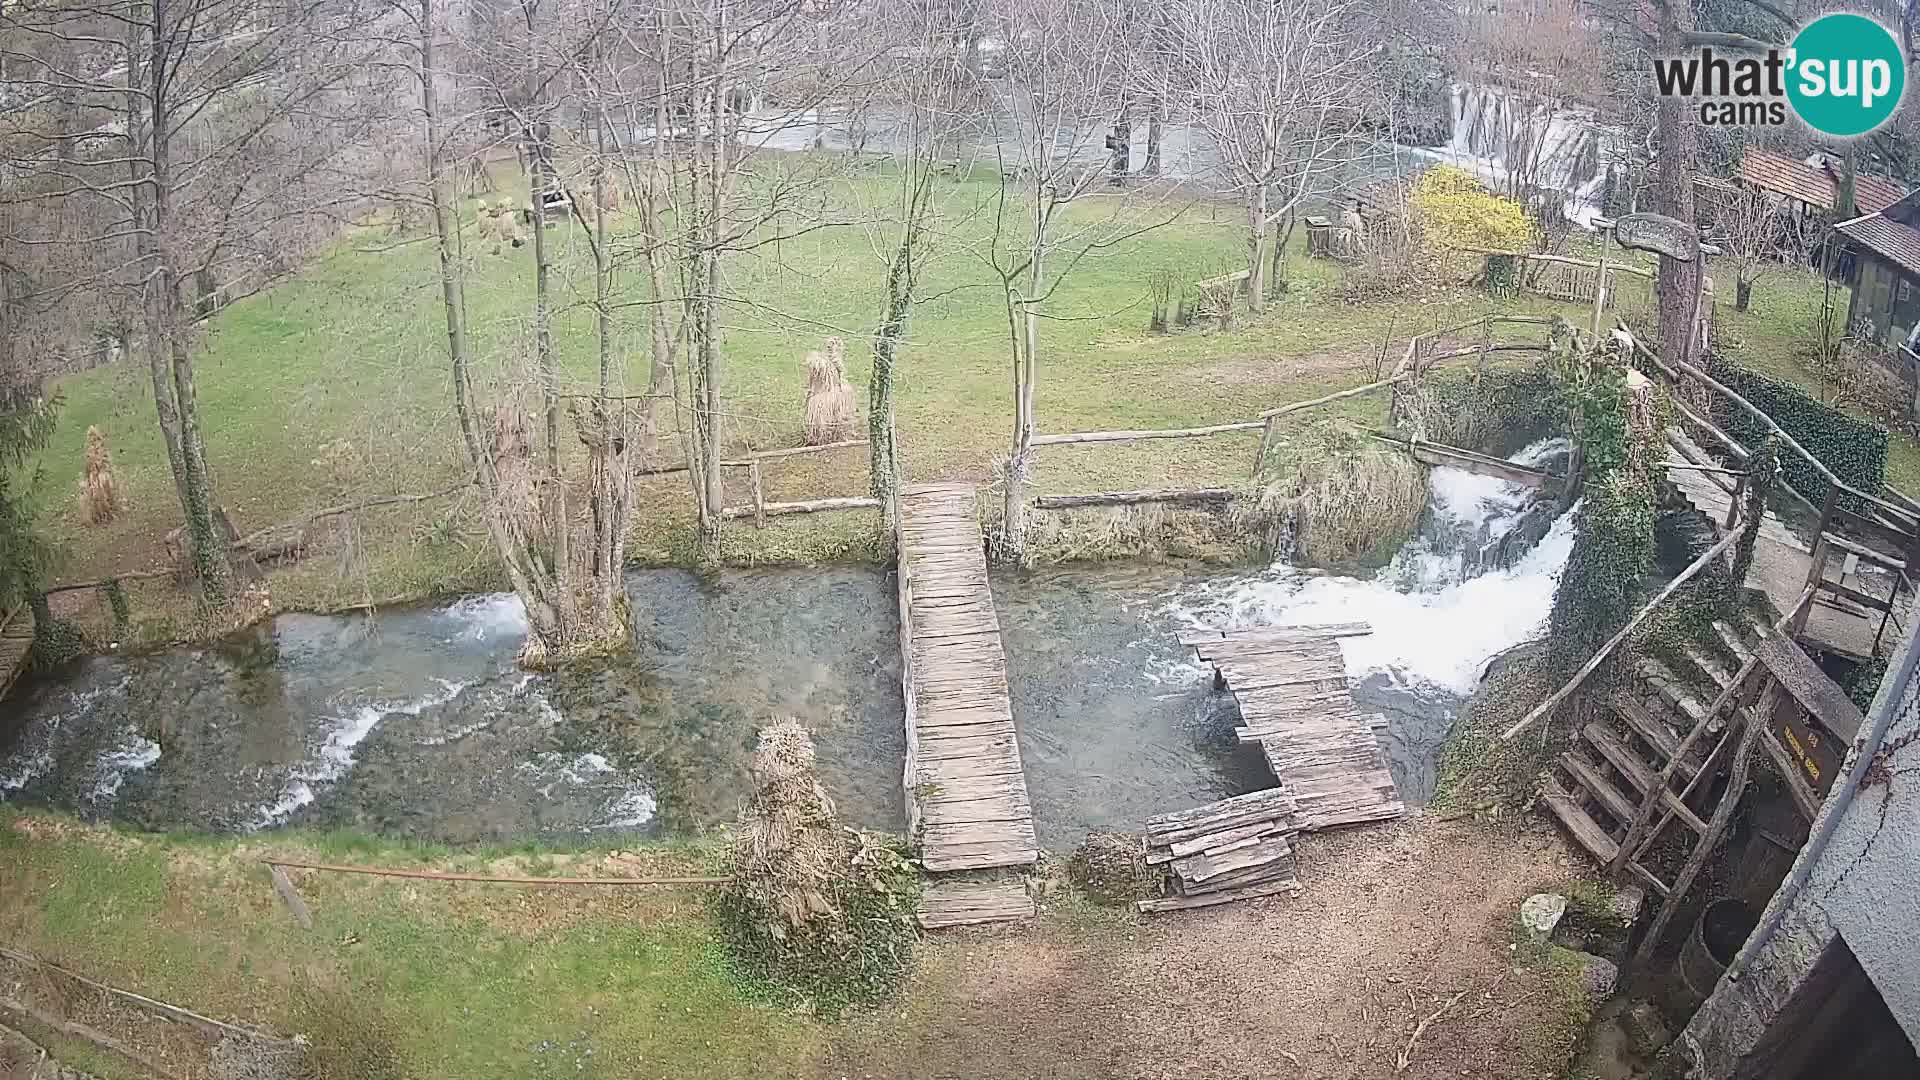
(1855, 449)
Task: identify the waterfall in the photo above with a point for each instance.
(1439, 612)
(1499, 134)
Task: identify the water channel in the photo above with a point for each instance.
(415, 721)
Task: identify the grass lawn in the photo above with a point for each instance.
(629, 983)
(333, 387)
(469, 981)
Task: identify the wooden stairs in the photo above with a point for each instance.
(1616, 763)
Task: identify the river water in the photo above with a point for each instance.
(416, 722)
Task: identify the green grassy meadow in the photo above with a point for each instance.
(333, 387)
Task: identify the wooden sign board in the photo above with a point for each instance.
(1816, 751)
(1658, 233)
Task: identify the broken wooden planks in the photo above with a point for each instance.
(1291, 686)
(967, 802)
(1227, 850)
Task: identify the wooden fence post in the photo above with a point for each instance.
(1266, 444)
(759, 496)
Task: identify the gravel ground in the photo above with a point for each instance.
(1394, 923)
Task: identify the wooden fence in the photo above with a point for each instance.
(758, 507)
(1421, 355)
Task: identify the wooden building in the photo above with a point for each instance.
(1886, 272)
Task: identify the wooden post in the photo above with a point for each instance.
(1266, 444)
(759, 496)
(289, 896)
(1816, 574)
(1600, 291)
(1739, 492)
(1756, 721)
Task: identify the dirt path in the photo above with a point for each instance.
(1394, 922)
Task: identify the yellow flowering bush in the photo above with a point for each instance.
(1455, 210)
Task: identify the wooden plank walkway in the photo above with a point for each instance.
(1291, 684)
(967, 804)
(1782, 561)
(16, 641)
(965, 903)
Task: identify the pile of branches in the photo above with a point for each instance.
(813, 912)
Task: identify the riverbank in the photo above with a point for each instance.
(508, 981)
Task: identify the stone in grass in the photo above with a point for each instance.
(1598, 977)
(1540, 913)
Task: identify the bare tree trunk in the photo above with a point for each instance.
(174, 399)
(1152, 165)
(1677, 284)
(515, 556)
(887, 338)
(1257, 247)
(1026, 344)
(559, 523)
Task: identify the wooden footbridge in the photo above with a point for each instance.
(16, 642)
(967, 799)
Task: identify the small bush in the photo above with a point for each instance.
(813, 912)
(1111, 867)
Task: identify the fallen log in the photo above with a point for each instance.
(1132, 498)
(814, 506)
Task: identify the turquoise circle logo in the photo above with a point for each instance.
(1848, 75)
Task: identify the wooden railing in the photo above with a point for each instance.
(1420, 357)
(758, 507)
(1896, 524)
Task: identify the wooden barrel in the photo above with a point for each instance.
(1716, 939)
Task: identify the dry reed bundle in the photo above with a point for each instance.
(790, 850)
(99, 492)
(830, 402)
(1327, 498)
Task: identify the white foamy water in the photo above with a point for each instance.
(33, 758)
(626, 807)
(110, 771)
(490, 616)
(335, 755)
(1432, 625)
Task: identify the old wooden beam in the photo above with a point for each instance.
(1131, 498)
(1135, 436)
(811, 506)
(1433, 453)
(290, 896)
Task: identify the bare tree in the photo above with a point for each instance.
(201, 139)
(1758, 232)
(927, 88)
(1276, 86)
(1069, 73)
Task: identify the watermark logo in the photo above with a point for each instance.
(1843, 76)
